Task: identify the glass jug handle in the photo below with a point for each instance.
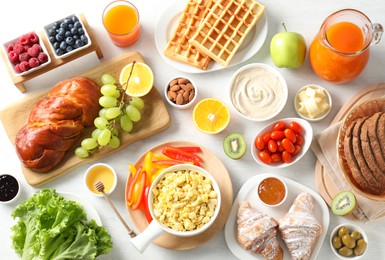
(377, 32)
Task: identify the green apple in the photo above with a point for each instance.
(288, 49)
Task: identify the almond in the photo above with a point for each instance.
(175, 88)
(183, 81)
(179, 99)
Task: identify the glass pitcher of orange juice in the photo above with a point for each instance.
(340, 50)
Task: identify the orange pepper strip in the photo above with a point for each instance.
(131, 186)
(142, 187)
(132, 169)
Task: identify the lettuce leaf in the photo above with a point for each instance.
(50, 227)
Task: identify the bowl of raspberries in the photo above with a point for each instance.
(26, 53)
(67, 36)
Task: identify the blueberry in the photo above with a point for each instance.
(56, 25)
(67, 20)
(59, 37)
(80, 31)
(69, 48)
(77, 25)
(76, 37)
(52, 39)
(62, 31)
(59, 52)
(70, 25)
(64, 25)
(74, 31)
(74, 19)
(51, 32)
(56, 45)
(67, 34)
(63, 45)
(84, 39)
(70, 40)
(79, 43)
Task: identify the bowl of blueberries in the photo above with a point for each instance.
(67, 36)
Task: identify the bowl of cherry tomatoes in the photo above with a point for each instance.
(282, 143)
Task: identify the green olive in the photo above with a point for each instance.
(348, 241)
(360, 247)
(356, 235)
(343, 231)
(336, 241)
(345, 251)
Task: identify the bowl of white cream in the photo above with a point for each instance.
(258, 92)
(312, 102)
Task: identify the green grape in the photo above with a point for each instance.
(100, 123)
(108, 90)
(137, 102)
(114, 142)
(104, 137)
(102, 112)
(106, 101)
(126, 123)
(95, 133)
(108, 79)
(116, 94)
(81, 152)
(113, 112)
(133, 113)
(89, 143)
(114, 131)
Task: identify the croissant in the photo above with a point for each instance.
(257, 232)
(56, 123)
(299, 228)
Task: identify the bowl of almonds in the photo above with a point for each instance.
(180, 92)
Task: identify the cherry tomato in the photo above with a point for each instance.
(264, 157)
(277, 135)
(260, 143)
(296, 127)
(289, 134)
(272, 146)
(288, 145)
(267, 137)
(280, 147)
(300, 139)
(279, 126)
(286, 157)
(297, 149)
(276, 157)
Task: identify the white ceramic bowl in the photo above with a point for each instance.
(328, 99)
(269, 191)
(94, 179)
(352, 228)
(6, 186)
(48, 26)
(172, 103)
(252, 91)
(307, 135)
(43, 49)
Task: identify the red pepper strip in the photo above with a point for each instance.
(142, 182)
(181, 155)
(167, 162)
(189, 149)
(131, 185)
(146, 209)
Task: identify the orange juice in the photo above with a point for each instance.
(345, 37)
(121, 20)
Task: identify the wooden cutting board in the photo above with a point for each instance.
(155, 118)
(324, 183)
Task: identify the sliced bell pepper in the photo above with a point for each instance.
(156, 173)
(131, 186)
(132, 169)
(165, 163)
(142, 186)
(181, 155)
(147, 167)
(159, 156)
(190, 149)
(145, 207)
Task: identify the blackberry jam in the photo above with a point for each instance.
(9, 187)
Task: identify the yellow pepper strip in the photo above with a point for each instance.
(147, 167)
(132, 169)
(156, 173)
(159, 156)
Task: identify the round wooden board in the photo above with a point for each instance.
(324, 183)
(213, 165)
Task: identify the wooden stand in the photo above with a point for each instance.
(55, 62)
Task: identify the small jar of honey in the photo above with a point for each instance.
(272, 191)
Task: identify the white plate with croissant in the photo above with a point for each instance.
(255, 231)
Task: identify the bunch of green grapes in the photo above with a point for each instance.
(116, 111)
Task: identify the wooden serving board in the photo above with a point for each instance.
(155, 118)
(215, 167)
(324, 183)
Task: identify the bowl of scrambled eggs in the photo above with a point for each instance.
(184, 201)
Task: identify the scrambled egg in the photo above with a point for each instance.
(184, 200)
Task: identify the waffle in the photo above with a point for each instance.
(225, 27)
(178, 48)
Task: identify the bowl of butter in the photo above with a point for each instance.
(312, 102)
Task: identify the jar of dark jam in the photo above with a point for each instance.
(9, 188)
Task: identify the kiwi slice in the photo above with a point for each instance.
(234, 145)
(343, 203)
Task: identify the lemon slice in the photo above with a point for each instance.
(211, 115)
(140, 82)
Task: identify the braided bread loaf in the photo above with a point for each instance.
(56, 123)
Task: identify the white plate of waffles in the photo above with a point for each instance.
(249, 192)
(168, 22)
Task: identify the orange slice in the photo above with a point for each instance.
(140, 82)
(211, 115)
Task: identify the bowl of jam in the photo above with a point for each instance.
(272, 191)
(9, 188)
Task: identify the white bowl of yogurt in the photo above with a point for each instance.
(258, 92)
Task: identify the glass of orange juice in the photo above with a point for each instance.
(340, 50)
(121, 20)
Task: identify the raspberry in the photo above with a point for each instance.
(24, 56)
(13, 57)
(24, 66)
(34, 50)
(24, 39)
(18, 48)
(42, 57)
(33, 38)
(10, 48)
(33, 62)
(26, 48)
(17, 68)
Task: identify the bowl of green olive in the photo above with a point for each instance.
(348, 241)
